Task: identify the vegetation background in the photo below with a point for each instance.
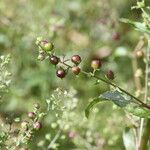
(86, 27)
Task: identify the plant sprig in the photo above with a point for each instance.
(96, 64)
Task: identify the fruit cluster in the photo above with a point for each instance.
(46, 51)
(25, 132)
(32, 124)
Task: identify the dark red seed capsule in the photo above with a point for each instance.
(76, 70)
(76, 59)
(110, 75)
(61, 73)
(54, 60)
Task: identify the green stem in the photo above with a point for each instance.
(116, 86)
(143, 140)
(112, 84)
(145, 137)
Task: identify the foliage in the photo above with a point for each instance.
(4, 75)
(90, 29)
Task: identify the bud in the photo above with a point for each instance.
(110, 75)
(76, 59)
(31, 115)
(37, 125)
(75, 70)
(96, 64)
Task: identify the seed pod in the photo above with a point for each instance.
(61, 73)
(37, 125)
(76, 70)
(110, 75)
(96, 64)
(76, 59)
(54, 60)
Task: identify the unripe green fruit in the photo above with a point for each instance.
(76, 59)
(47, 46)
(61, 73)
(110, 75)
(96, 64)
(76, 70)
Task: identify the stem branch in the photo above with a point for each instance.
(112, 84)
(143, 141)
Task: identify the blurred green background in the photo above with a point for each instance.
(84, 27)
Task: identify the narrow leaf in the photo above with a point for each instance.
(138, 111)
(89, 107)
(115, 96)
(138, 25)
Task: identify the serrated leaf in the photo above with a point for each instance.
(137, 25)
(117, 97)
(91, 104)
(138, 111)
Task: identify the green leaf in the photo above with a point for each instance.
(138, 111)
(92, 103)
(137, 25)
(122, 100)
(117, 97)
